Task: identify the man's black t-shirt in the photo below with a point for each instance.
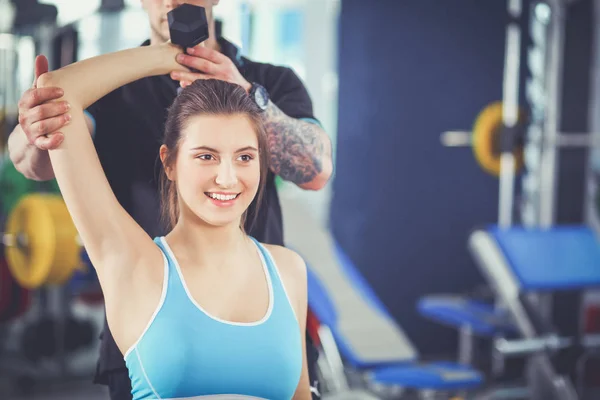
(129, 125)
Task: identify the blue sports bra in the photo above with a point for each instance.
(185, 353)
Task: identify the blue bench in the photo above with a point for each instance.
(388, 368)
(460, 312)
(540, 260)
(518, 262)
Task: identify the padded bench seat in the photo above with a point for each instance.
(458, 311)
(558, 258)
(440, 376)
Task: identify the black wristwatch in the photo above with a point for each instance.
(259, 95)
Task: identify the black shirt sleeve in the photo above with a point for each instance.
(102, 111)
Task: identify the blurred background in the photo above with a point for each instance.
(411, 94)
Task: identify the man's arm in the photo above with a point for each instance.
(32, 162)
(38, 116)
(300, 151)
(28, 159)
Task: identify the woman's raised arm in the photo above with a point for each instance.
(111, 237)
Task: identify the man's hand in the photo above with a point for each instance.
(210, 64)
(39, 118)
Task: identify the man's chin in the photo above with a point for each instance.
(163, 31)
(165, 35)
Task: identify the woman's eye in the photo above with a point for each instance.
(205, 157)
(246, 157)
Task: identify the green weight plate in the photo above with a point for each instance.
(13, 186)
(53, 187)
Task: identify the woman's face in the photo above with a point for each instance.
(217, 169)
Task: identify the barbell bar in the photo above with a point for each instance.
(489, 139)
(21, 240)
(522, 347)
(561, 140)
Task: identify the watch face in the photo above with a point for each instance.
(261, 97)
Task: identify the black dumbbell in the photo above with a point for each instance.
(188, 25)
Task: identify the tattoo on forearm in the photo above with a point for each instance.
(296, 147)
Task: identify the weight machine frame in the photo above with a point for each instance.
(531, 312)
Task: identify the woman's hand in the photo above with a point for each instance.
(171, 52)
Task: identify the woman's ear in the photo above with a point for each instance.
(164, 153)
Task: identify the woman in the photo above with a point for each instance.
(205, 310)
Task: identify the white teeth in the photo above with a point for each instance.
(222, 197)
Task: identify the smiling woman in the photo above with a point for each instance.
(206, 309)
(224, 154)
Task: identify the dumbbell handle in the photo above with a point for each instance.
(21, 240)
(563, 140)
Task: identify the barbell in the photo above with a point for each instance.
(550, 343)
(487, 134)
(486, 139)
(42, 245)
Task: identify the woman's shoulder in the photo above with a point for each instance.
(289, 263)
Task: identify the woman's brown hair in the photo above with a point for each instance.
(208, 97)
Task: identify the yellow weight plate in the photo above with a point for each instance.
(49, 252)
(67, 252)
(486, 140)
(30, 261)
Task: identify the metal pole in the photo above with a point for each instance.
(510, 111)
(549, 157)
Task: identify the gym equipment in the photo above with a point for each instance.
(13, 186)
(40, 339)
(379, 369)
(520, 261)
(490, 138)
(14, 52)
(470, 317)
(7, 15)
(188, 25)
(84, 280)
(357, 338)
(489, 133)
(41, 241)
(112, 5)
(14, 299)
(524, 265)
(356, 334)
(31, 13)
(42, 245)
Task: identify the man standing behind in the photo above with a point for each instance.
(128, 124)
